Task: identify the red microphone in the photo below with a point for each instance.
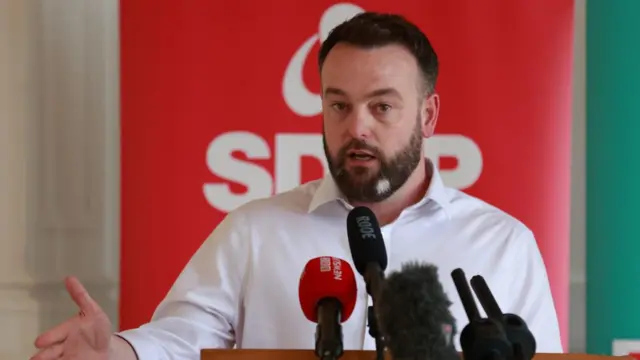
(327, 293)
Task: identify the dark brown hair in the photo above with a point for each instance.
(372, 29)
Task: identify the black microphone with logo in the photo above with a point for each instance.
(370, 259)
(498, 336)
(414, 316)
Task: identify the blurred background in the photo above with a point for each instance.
(60, 166)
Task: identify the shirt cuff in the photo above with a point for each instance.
(142, 345)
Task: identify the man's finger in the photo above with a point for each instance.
(51, 353)
(80, 296)
(55, 335)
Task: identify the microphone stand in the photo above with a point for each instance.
(523, 343)
(481, 338)
(495, 355)
(518, 352)
(485, 339)
(329, 344)
(375, 333)
(373, 277)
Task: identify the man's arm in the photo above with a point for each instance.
(531, 295)
(201, 309)
(120, 349)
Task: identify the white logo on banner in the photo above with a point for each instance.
(299, 99)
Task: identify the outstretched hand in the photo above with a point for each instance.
(85, 336)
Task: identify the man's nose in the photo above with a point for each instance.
(360, 124)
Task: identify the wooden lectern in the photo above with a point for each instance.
(357, 355)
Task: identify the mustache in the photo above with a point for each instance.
(357, 144)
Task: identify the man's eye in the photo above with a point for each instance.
(383, 107)
(339, 106)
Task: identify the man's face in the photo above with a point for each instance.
(376, 114)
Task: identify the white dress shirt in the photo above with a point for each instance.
(241, 286)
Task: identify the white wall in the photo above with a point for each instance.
(58, 162)
(17, 309)
(59, 165)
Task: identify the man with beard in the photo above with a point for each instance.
(378, 75)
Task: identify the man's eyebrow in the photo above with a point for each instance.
(384, 91)
(334, 91)
(378, 92)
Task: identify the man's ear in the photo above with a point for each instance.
(430, 110)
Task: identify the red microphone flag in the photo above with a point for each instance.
(327, 277)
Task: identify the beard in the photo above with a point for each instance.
(365, 184)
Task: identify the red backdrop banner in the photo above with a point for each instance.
(220, 105)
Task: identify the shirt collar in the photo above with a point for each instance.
(328, 192)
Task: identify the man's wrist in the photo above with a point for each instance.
(121, 349)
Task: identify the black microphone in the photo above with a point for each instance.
(370, 259)
(516, 329)
(367, 247)
(414, 316)
(481, 338)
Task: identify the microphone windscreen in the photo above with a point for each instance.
(327, 277)
(413, 314)
(365, 239)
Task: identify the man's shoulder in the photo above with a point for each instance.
(295, 200)
(504, 239)
(468, 208)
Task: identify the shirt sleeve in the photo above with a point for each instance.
(533, 300)
(202, 308)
